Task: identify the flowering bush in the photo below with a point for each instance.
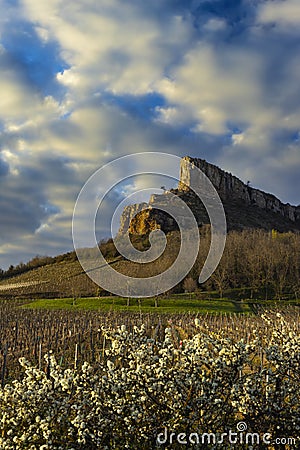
(206, 383)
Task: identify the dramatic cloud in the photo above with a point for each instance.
(85, 82)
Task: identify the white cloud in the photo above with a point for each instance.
(213, 25)
(284, 13)
(237, 138)
(112, 45)
(171, 115)
(15, 102)
(215, 85)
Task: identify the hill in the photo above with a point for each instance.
(266, 263)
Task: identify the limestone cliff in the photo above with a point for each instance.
(128, 214)
(245, 207)
(230, 188)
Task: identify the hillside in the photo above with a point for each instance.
(60, 279)
(271, 274)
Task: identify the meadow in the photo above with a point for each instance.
(166, 304)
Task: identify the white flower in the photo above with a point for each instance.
(110, 365)
(197, 322)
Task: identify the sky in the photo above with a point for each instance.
(83, 82)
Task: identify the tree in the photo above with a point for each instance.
(221, 279)
(190, 285)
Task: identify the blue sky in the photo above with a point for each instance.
(84, 82)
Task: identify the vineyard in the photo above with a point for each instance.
(89, 380)
(84, 370)
(33, 333)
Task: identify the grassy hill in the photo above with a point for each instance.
(265, 263)
(58, 279)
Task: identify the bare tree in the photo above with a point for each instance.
(190, 285)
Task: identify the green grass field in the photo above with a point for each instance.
(234, 301)
(173, 304)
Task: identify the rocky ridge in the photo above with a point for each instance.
(245, 206)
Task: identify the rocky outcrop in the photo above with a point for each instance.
(128, 214)
(245, 207)
(230, 188)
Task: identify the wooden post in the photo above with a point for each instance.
(76, 356)
(4, 366)
(40, 355)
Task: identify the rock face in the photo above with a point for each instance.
(230, 188)
(128, 215)
(245, 207)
